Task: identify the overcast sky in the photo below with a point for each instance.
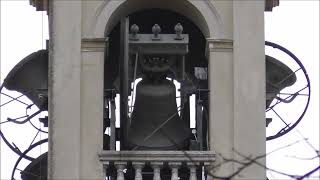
(294, 25)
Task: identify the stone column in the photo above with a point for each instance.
(221, 126)
(92, 97)
(249, 84)
(75, 96)
(64, 159)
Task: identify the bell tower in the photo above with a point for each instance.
(147, 89)
(97, 51)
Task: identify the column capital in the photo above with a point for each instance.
(156, 164)
(138, 164)
(94, 44)
(219, 45)
(193, 164)
(120, 164)
(174, 164)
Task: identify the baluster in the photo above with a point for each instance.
(120, 167)
(193, 171)
(208, 170)
(105, 167)
(138, 168)
(156, 170)
(174, 170)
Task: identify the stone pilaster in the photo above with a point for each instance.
(92, 97)
(221, 128)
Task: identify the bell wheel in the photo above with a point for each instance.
(287, 91)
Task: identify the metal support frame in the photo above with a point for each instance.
(124, 68)
(113, 125)
(199, 123)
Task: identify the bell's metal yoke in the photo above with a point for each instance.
(167, 44)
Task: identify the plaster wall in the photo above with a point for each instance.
(224, 10)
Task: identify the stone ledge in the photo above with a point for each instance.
(224, 45)
(94, 44)
(157, 156)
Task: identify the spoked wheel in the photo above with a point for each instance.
(21, 130)
(24, 120)
(287, 90)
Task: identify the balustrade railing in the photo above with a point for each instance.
(156, 165)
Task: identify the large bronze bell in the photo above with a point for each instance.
(155, 120)
(155, 123)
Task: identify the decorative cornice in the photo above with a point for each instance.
(94, 44)
(219, 45)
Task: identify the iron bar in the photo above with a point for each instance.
(288, 76)
(34, 138)
(199, 123)
(18, 152)
(124, 69)
(12, 99)
(113, 125)
(26, 120)
(24, 154)
(287, 98)
(280, 117)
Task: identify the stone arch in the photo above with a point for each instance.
(202, 13)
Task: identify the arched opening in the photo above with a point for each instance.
(195, 69)
(191, 10)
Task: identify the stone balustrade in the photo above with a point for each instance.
(156, 165)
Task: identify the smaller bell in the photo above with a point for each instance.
(278, 77)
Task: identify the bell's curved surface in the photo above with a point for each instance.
(30, 77)
(37, 169)
(278, 77)
(155, 123)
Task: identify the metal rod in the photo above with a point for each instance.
(14, 149)
(134, 84)
(124, 68)
(113, 125)
(199, 123)
(15, 99)
(183, 67)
